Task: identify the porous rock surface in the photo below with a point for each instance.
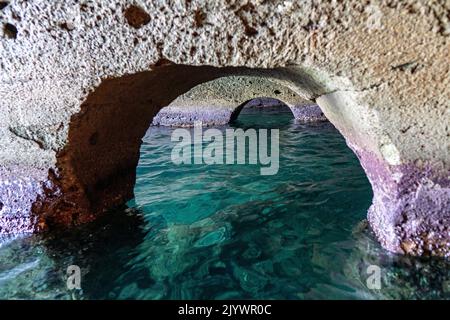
(220, 101)
(80, 82)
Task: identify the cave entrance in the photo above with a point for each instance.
(226, 230)
(97, 169)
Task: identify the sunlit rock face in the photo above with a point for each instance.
(81, 83)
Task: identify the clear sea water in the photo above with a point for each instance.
(226, 232)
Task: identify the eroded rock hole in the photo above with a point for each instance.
(10, 31)
(199, 18)
(69, 26)
(136, 16)
(250, 31)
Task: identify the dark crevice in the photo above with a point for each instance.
(199, 18)
(69, 26)
(411, 66)
(371, 87)
(25, 136)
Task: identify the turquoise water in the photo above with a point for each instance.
(226, 232)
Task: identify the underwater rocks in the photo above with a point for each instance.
(401, 276)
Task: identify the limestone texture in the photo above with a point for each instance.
(81, 81)
(220, 101)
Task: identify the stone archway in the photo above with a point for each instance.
(262, 105)
(218, 102)
(96, 169)
(81, 82)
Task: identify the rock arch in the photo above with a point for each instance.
(217, 102)
(77, 74)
